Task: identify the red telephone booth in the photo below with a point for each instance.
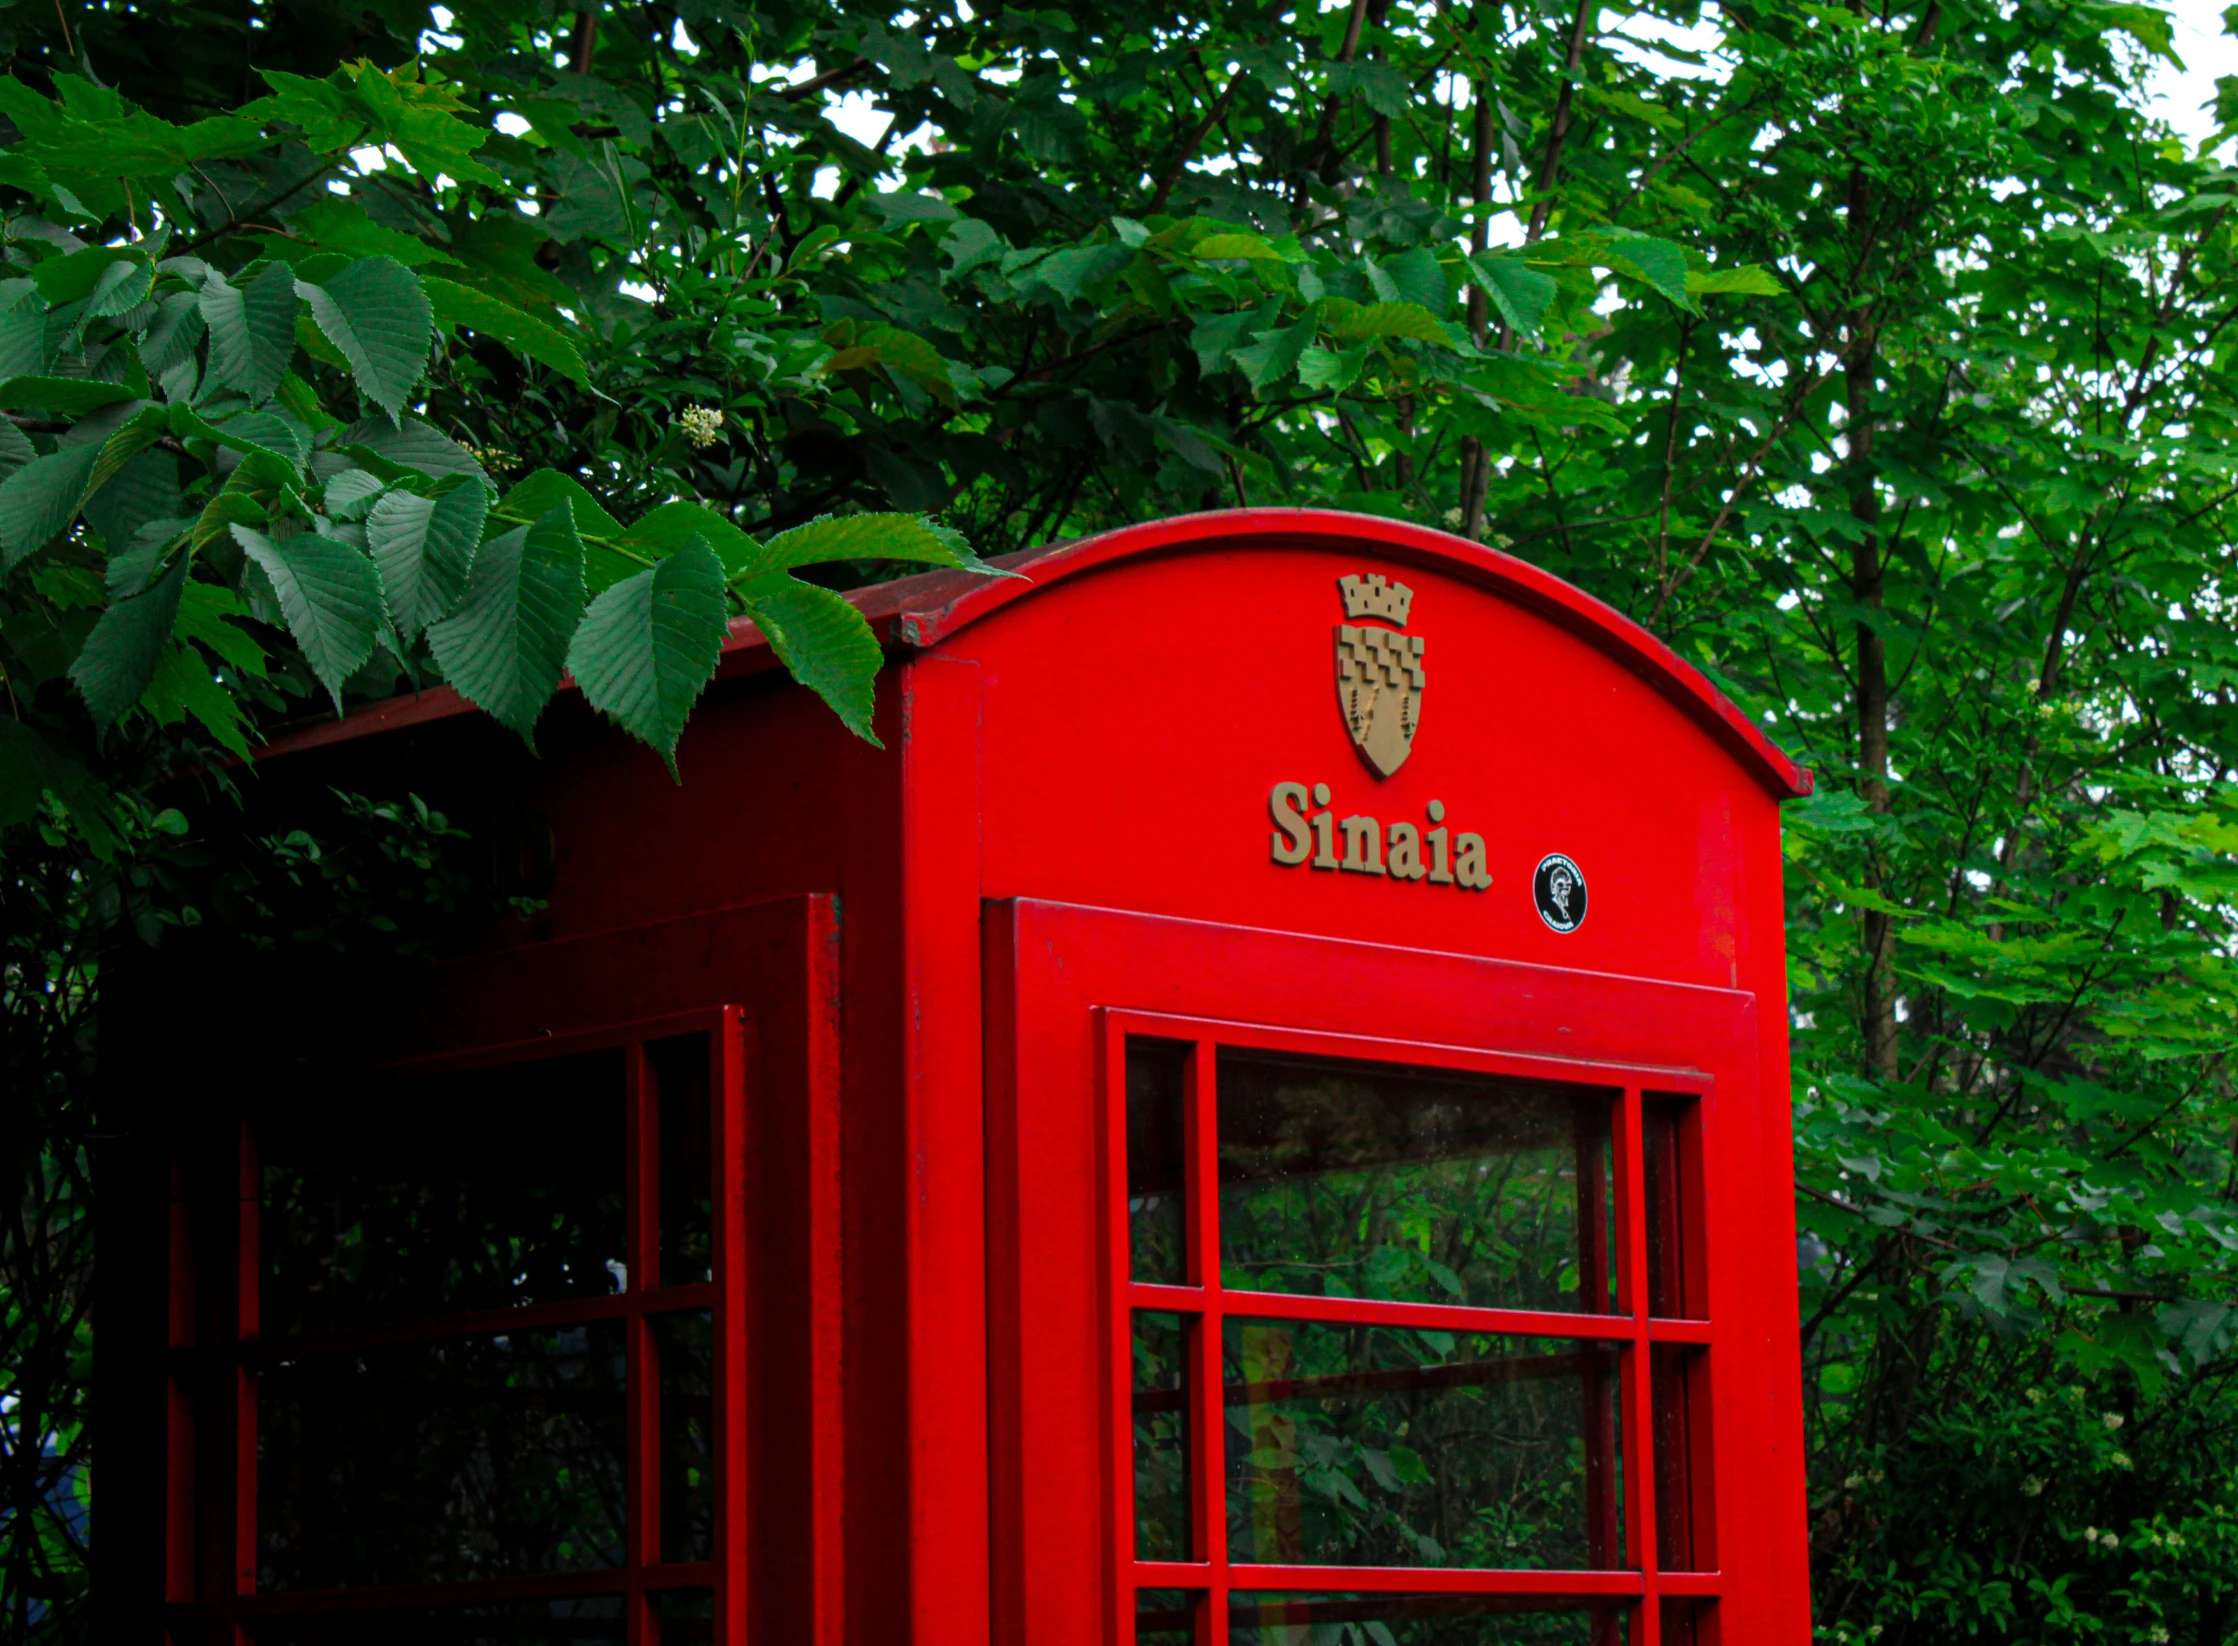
(1258, 1117)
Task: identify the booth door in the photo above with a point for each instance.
(523, 1336)
(1352, 1294)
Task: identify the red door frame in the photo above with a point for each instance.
(1061, 979)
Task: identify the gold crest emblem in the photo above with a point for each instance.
(1379, 671)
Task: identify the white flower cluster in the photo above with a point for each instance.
(702, 425)
(2112, 1420)
(2104, 1540)
(2033, 1486)
(2158, 1634)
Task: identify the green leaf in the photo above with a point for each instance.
(1275, 355)
(1660, 263)
(1519, 292)
(826, 643)
(185, 684)
(144, 487)
(548, 489)
(668, 528)
(1749, 280)
(412, 445)
(69, 278)
(252, 330)
(62, 397)
(119, 657)
(38, 502)
(866, 537)
(375, 312)
(425, 549)
(330, 596)
(506, 646)
(1236, 244)
(1320, 368)
(648, 646)
(1379, 84)
(457, 305)
(1390, 320)
(341, 225)
(122, 286)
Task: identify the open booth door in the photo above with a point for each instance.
(529, 1330)
(1333, 1283)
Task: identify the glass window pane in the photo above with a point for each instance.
(1161, 1430)
(1431, 1186)
(1381, 1446)
(427, 1462)
(1423, 1620)
(687, 1616)
(591, 1621)
(685, 1344)
(678, 1072)
(1157, 1227)
(482, 1189)
(1166, 1617)
(1671, 1158)
(1685, 1520)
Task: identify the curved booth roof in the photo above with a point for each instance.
(927, 610)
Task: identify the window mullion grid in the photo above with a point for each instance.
(1636, 1382)
(1207, 1437)
(727, 1129)
(642, 1531)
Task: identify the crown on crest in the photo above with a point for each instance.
(1376, 596)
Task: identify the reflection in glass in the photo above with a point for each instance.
(1667, 1136)
(1684, 1519)
(591, 1621)
(428, 1462)
(1157, 1082)
(1423, 1620)
(1385, 1446)
(482, 1189)
(1165, 1617)
(1161, 1430)
(1431, 1186)
(685, 1344)
(676, 1070)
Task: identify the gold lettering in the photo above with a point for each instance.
(1363, 845)
(1286, 805)
(1325, 841)
(1440, 875)
(1469, 868)
(1406, 852)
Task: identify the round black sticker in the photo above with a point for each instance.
(1559, 890)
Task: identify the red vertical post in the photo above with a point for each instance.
(944, 1149)
(1117, 1265)
(1208, 1413)
(727, 1133)
(1603, 1539)
(1636, 1383)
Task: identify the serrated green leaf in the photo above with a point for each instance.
(506, 646)
(204, 618)
(120, 287)
(38, 502)
(64, 397)
(69, 278)
(119, 657)
(1750, 280)
(1320, 368)
(1519, 292)
(425, 549)
(185, 684)
(16, 448)
(252, 329)
(412, 445)
(375, 312)
(668, 528)
(1390, 320)
(142, 488)
(648, 646)
(330, 596)
(866, 537)
(1660, 263)
(1275, 355)
(546, 490)
(524, 334)
(825, 642)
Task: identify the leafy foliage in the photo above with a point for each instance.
(1874, 357)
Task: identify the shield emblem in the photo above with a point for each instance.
(1379, 671)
